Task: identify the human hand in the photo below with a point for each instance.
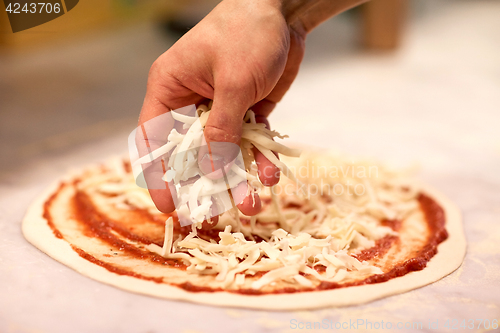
(243, 54)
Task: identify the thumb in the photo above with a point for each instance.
(222, 132)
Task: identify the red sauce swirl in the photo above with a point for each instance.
(97, 225)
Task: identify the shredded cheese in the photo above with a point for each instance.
(298, 230)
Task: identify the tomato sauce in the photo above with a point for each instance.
(95, 224)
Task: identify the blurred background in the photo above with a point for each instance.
(426, 72)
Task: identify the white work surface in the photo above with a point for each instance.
(436, 103)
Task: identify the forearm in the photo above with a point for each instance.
(308, 14)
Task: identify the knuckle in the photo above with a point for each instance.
(155, 68)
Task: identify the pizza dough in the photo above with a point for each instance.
(61, 247)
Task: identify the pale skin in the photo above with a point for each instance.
(243, 54)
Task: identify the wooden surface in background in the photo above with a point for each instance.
(383, 22)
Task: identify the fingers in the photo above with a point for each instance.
(152, 133)
(216, 159)
(226, 117)
(162, 200)
(222, 132)
(264, 108)
(251, 205)
(269, 174)
(248, 204)
(155, 124)
(150, 136)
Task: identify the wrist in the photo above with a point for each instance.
(293, 10)
(307, 14)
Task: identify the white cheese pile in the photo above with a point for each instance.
(283, 257)
(300, 231)
(195, 193)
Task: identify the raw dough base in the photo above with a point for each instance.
(449, 257)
